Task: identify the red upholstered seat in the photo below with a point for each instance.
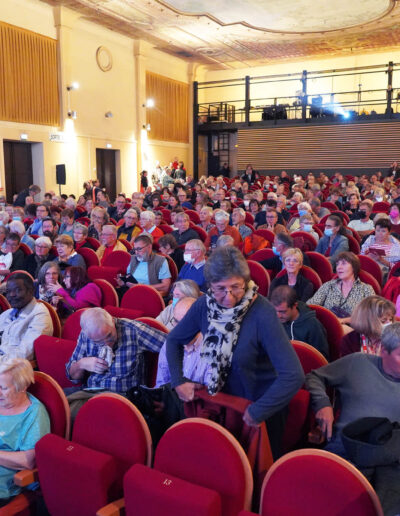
(18, 272)
(297, 422)
(173, 269)
(72, 326)
(89, 256)
(381, 207)
(200, 231)
(4, 304)
(151, 492)
(83, 220)
(260, 276)
(321, 265)
(368, 278)
(125, 313)
(54, 318)
(334, 330)
(119, 259)
(84, 474)
(166, 228)
(109, 295)
(265, 233)
(202, 452)
(354, 246)
(166, 215)
(315, 483)
(150, 321)
(108, 273)
(330, 205)
(369, 265)
(51, 356)
(126, 243)
(193, 216)
(25, 249)
(392, 289)
(145, 298)
(249, 218)
(310, 358)
(93, 242)
(309, 242)
(394, 270)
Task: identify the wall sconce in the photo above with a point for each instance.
(108, 114)
(73, 86)
(23, 136)
(73, 115)
(147, 127)
(108, 146)
(149, 103)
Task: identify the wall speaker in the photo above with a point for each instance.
(60, 174)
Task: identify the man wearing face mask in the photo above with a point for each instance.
(195, 259)
(282, 242)
(306, 224)
(146, 267)
(363, 224)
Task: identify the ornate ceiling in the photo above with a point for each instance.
(235, 34)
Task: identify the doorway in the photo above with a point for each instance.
(106, 171)
(17, 166)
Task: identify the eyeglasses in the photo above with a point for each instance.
(136, 249)
(41, 246)
(222, 291)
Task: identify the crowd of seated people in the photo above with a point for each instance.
(345, 216)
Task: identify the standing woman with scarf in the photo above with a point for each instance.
(248, 351)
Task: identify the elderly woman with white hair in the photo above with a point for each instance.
(294, 223)
(148, 223)
(16, 226)
(221, 228)
(23, 421)
(42, 254)
(180, 290)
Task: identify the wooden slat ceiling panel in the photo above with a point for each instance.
(333, 146)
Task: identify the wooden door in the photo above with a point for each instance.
(18, 167)
(106, 171)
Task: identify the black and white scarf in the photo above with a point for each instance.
(222, 335)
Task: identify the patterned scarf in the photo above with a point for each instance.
(220, 340)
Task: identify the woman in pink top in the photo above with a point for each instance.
(79, 292)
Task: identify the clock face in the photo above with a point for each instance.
(104, 59)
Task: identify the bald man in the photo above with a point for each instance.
(195, 368)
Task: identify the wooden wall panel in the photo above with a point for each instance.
(371, 145)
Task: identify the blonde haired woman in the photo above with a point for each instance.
(293, 261)
(368, 320)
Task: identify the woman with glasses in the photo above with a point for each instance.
(67, 256)
(79, 291)
(98, 218)
(49, 275)
(42, 254)
(248, 351)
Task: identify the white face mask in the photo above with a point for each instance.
(188, 258)
(246, 202)
(379, 199)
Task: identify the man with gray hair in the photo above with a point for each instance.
(368, 386)
(221, 228)
(109, 355)
(195, 259)
(238, 221)
(148, 223)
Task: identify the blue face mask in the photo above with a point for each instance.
(302, 212)
(328, 232)
(174, 301)
(275, 251)
(308, 228)
(17, 218)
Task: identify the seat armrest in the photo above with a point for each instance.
(115, 508)
(25, 477)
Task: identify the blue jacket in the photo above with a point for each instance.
(340, 243)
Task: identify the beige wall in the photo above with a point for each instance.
(99, 92)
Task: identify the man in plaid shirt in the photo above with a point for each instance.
(108, 355)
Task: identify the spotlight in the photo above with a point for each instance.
(346, 115)
(72, 114)
(23, 136)
(73, 86)
(150, 103)
(108, 146)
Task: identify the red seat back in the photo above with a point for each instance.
(107, 273)
(309, 242)
(72, 326)
(193, 216)
(330, 205)
(54, 318)
(200, 231)
(260, 277)
(127, 244)
(226, 469)
(391, 290)
(310, 358)
(166, 228)
(262, 254)
(4, 304)
(381, 207)
(93, 242)
(25, 249)
(334, 330)
(119, 259)
(265, 233)
(109, 294)
(89, 256)
(49, 392)
(320, 483)
(297, 422)
(354, 246)
(145, 298)
(51, 356)
(321, 265)
(309, 274)
(368, 278)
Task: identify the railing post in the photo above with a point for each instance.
(247, 100)
(389, 91)
(304, 99)
(195, 130)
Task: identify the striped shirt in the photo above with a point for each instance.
(126, 370)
